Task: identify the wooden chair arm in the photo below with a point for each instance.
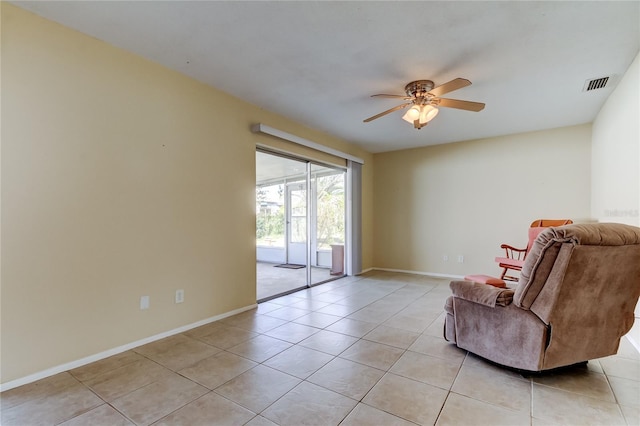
(513, 252)
(507, 246)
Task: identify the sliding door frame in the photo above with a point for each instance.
(311, 191)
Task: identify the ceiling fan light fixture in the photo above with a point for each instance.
(412, 114)
(428, 113)
(420, 113)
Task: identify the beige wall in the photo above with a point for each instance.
(120, 178)
(467, 198)
(615, 161)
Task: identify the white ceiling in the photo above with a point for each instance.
(318, 62)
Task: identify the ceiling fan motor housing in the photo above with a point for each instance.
(419, 88)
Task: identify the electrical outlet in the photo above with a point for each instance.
(179, 296)
(144, 302)
(445, 258)
(460, 258)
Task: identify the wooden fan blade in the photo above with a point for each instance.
(458, 104)
(405, 97)
(455, 84)
(387, 112)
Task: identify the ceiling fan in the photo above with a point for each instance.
(424, 100)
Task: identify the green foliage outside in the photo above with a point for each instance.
(269, 223)
(331, 212)
(270, 226)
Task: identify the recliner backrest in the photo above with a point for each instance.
(544, 252)
(537, 267)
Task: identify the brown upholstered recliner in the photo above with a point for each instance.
(574, 301)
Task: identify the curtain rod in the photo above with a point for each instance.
(262, 128)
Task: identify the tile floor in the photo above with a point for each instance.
(357, 351)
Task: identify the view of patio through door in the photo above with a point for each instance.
(300, 224)
(296, 223)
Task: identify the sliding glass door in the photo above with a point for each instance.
(300, 224)
(281, 199)
(328, 223)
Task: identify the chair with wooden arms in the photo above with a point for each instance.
(515, 256)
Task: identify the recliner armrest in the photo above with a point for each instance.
(482, 294)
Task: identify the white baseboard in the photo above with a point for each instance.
(430, 274)
(110, 352)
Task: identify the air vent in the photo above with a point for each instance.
(595, 83)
